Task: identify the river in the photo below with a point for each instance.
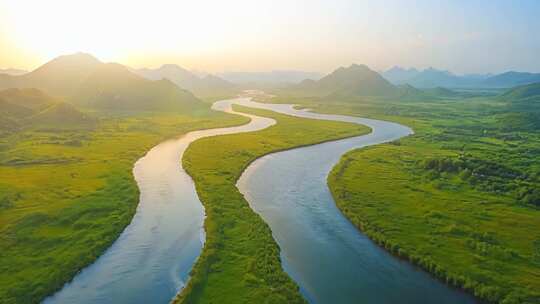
(329, 258)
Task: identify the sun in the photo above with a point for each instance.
(114, 30)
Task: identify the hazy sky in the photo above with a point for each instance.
(315, 35)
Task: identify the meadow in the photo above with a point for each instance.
(240, 262)
(66, 194)
(458, 198)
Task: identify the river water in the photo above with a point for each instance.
(328, 257)
(151, 260)
(321, 250)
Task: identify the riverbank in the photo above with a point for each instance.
(72, 218)
(240, 261)
(449, 198)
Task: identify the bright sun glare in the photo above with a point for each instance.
(112, 30)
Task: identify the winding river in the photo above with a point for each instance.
(151, 260)
(321, 250)
(329, 258)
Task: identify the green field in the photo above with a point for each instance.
(66, 194)
(240, 261)
(460, 197)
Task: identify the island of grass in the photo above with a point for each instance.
(67, 192)
(240, 261)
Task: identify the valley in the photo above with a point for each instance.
(269, 152)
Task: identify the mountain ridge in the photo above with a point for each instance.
(186, 79)
(73, 77)
(432, 78)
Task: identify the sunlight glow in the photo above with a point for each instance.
(317, 35)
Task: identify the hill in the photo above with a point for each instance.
(22, 102)
(185, 79)
(84, 80)
(511, 79)
(407, 91)
(529, 91)
(355, 80)
(32, 107)
(61, 115)
(113, 87)
(523, 111)
(60, 76)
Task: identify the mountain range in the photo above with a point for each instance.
(431, 78)
(361, 81)
(355, 80)
(83, 80)
(277, 77)
(200, 85)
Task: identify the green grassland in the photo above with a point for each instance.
(459, 198)
(240, 261)
(67, 193)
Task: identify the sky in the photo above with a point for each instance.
(473, 36)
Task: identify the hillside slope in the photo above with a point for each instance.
(83, 80)
(113, 87)
(355, 80)
(205, 85)
(60, 76)
(24, 108)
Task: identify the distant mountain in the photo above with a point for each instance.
(511, 79)
(408, 92)
(113, 87)
(398, 75)
(32, 107)
(60, 76)
(355, 80)
(82, 79)
(13, 72)
(433, 78)
(278, 77)
(477, 76)
(185, 79)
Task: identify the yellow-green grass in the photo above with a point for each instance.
(472, 239)
(240, 261)
(470, 230)
(65, 196)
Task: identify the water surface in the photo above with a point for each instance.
(151, 260)
(322, 251)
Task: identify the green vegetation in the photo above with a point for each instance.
(113, 87)
(240, 261)
(460, 197)
(67, 191)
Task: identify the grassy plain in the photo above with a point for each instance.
(458, 198)
(66, 194)
(240, 261)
